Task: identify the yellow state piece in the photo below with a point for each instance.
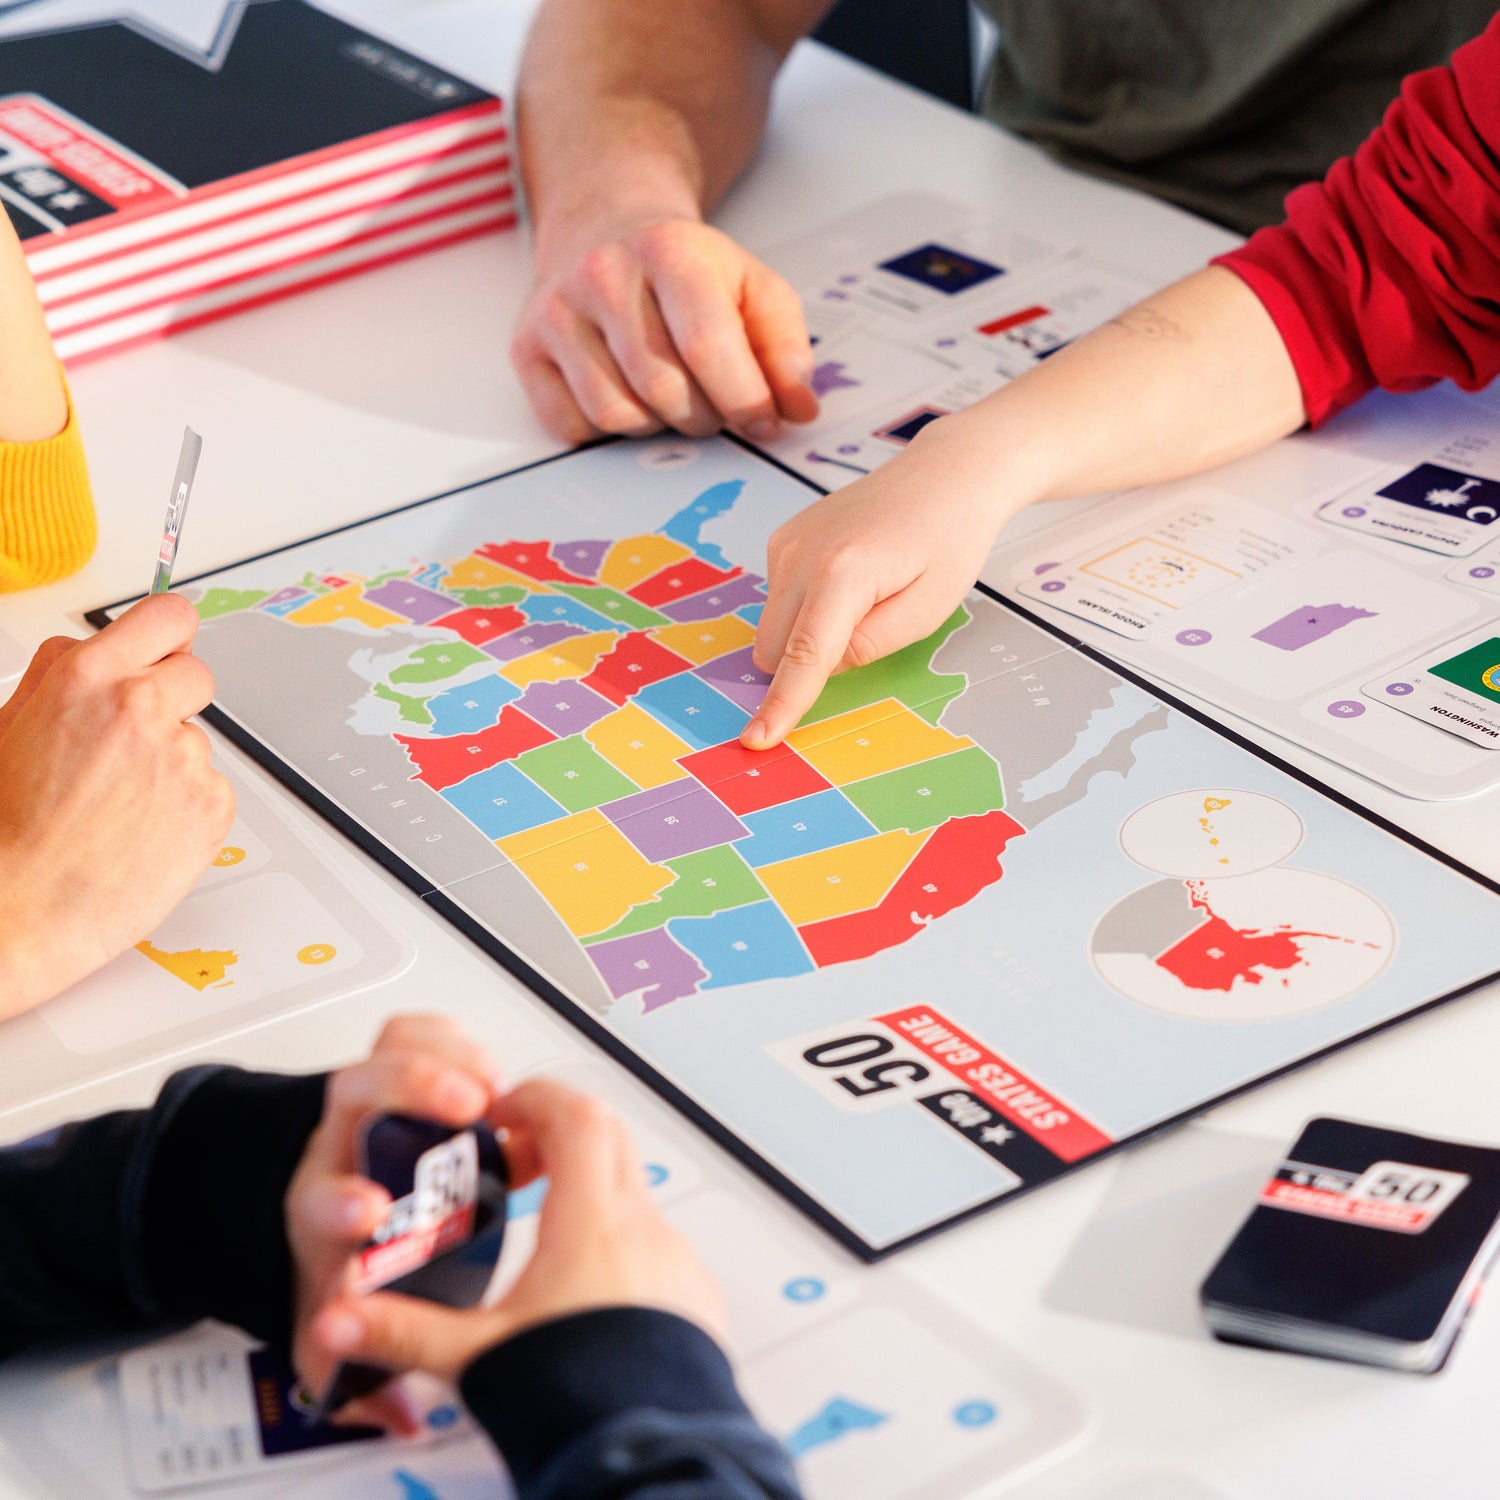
(196, 966)
(638, 557)
(347, 603)
(586, 870)
(635, 743)
(574, 657)
(475, 572)
(848, 877)
(702, 640)
(865, 741)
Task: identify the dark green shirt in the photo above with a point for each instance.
(1223, 106)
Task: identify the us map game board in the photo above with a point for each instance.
(994, 909)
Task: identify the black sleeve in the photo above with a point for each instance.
(161, 1215)
(623, 1403)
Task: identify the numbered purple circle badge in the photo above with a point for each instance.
(1194, 637)
(1354, 512)
(1053, 586)
(1346, 708)
(1398, 689)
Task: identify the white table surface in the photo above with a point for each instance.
(331, 406)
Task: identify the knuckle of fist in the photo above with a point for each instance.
(802, 649)
(862, 650)
(601, 276)
(668, 246)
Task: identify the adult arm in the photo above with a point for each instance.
(146, 1217)
(633, 117)
(1387, 273)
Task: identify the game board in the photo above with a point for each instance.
(995, 909)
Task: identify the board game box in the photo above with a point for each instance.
(996, 908)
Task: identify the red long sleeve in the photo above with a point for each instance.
(1387, 273)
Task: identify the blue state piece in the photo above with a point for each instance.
(687, 525)
(413, 1488)
(471, 706)
(562, 609)
(503, 800)
(802, 826)
(751, 612)
(743, 945)
(693, 710)
(837, 1419)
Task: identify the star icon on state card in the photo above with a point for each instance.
(996, 1135)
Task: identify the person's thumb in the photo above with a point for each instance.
(399, 1333)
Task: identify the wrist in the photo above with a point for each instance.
(613, 194)
(979, 456)
(28, 946)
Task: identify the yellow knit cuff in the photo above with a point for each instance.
(47, 525)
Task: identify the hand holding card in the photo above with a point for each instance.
(600, 1243)
(421, 1066)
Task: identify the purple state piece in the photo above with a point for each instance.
(679, 818)
(531, 638)
(1308, 624)
(583, 558)
(709, 605)
(563, 707)
(649, 964)
(737, 677)
(403, 597)
(830, 376)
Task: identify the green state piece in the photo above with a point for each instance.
(313, 583)
(218, 602)
(712, 880)
(965, 784)
(439, 660)
(614, 605)
(907, 676)
(412, 710)
(573, 773)
(490, 598)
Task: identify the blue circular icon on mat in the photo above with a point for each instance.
(442, 1416)
(975, 1413)
(656, 1174)
(803, 1289)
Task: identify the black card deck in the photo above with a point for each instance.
(1367, 1244)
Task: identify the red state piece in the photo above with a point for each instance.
(690, 576)
(477, 626)
(635, 661)
(745, 781)
(1216, 956)
(449, 759)
(534, 559)
(960, 858)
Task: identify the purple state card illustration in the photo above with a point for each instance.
(1310, 623)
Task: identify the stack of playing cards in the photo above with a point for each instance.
(1367, 1244)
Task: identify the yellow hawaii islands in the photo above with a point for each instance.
(579, 703)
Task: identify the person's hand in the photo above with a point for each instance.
(421, 1065)
(661, 322)
(870, 569)
(600, 1243)
(109, 807)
